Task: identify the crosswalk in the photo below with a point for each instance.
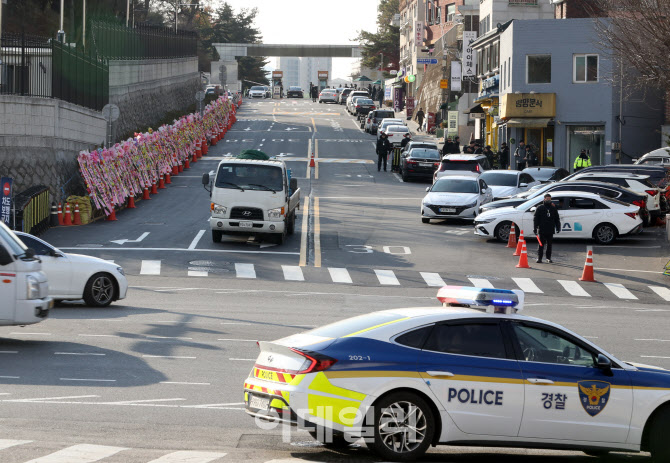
(403, 278)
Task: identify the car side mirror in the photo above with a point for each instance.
(427, 188)
(205, 183)
(532, 209)
(604, 364)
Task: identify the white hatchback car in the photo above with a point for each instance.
(396, 133)
(74, 276)
(455, 197)
(505, 183)
(583, 215)
(384, 123)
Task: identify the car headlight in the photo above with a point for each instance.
(276, 213)
(485, 221)
(32, 287)
(471, 205)
(218, 209)
(120, 270)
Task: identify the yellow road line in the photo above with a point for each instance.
(317, 234)
(314, 124)
(303, 236)
(316, 159)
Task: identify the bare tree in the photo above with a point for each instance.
(638, 34)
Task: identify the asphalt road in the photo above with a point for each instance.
(158, 376)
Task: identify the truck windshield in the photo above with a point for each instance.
(250, 177)
(16, 247)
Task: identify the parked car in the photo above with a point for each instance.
(328, 94)
(547, 174)
(364, 106)
(419, 163)
(294, 92)
(455, 197)
(383, 125)
(659, 157)
(258, 91)
(342, 98)
(609, 190)
(74, 276)
(420, 144)
(396, 133)
(462, 164)
(638, 183)
(353, 94)
(375, 116)
(658, 175)
(583, 215)
(351, 103)
(506, 183)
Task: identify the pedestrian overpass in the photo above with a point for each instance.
(224, 71)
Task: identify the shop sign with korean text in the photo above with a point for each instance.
(419, 33)
(527, 105)
(456, 76)
(452, 128)
(469, 54)
(409, 109)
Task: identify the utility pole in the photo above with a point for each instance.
(61, 31)
(127, 11)
(83, 33)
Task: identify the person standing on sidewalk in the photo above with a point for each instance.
(503, 156)
(383, 148)
(315, 93)
(582, 161)
(520, 155)
(545, 222)
(420, 115)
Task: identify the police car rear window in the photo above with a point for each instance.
(474, 339)
(414, 338)
(352, 326)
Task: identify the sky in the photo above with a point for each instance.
(313, 22)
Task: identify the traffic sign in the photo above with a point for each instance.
(444, 83)
(426, 61)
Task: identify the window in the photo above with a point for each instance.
(494, 55)
(429, 13)
(487, 60)
(451, 12)
(585, 203)
(539, 69)
(438, 15)
(540, 345)
(509, 70)
(586, 68)
(475, 339)
(414, 338)
(40, 248)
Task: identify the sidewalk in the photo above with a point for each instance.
(414, 130)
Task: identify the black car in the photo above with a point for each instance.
(547, 174)
(609, 190)
(419, 163)
(344, 95)
(294, 92)
(364, 106)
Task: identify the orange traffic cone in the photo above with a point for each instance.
(195, 158)
(67, 220)
(161, 183)
(145, 195)
(587, 274)
(175, 170)
(154, 189)
(518, 245)
(187, 164)
(77, 216)
(60, 214)
(511, 241)
(131, 201)
(167, 179)
(523, 258)
(311, 160)
(198, 149)
(111, 217)
(213, 141)
(181, 168)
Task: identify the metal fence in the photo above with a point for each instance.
(33, 209)
(42, 67)
(114, 41)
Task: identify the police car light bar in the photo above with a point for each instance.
(503, 301)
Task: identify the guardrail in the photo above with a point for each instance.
(33, 209)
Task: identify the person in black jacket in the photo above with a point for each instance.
(406, 139)
(383, 148)
(503, 156)
(545, 222)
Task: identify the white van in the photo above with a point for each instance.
(24, 293)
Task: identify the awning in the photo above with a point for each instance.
(488, 97)
(529, 122)
(476, 108)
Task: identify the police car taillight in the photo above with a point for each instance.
(317, 362)
(492, 300)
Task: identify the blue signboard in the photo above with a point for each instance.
(426, 61)
(6, 200)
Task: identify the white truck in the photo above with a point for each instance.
(252, 197)
(24, 292)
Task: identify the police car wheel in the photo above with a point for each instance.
(100, 290)
(605, 233)
(334, 439)
(403, 427)
(658, 437)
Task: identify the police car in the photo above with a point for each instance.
(583, 215)
(406, 379)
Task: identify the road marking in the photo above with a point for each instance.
(100, 335)
(620, 291)
(339, 275)
(245, 271)
(146, 356)
(316, 159)
(655, 340)
(629, 270)
(317, 234)
(9, 351)
(398, 177)
(481, 282)
(661, 291)
(226, 251)
(527, 285)
(654, 357)
(292, 273)
(187, 456)
(7, 443)
(573, 288)
(195, 241)
(240, 340)
(78, 353)
(433, 279)
(185, 383)
(42, 399)
(81, 453)
(303, 236)
(150, 267)
(386, 277)
(89, 379)
(314, 124)
(198, 273)
(129, 402)
(10, 377)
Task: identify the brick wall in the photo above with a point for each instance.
(434, 32)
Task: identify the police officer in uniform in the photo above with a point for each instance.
(383, 148)
(545, 222)
(582, 161)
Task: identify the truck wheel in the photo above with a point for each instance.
(281, 237)
(291, 224)
(217, 235)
